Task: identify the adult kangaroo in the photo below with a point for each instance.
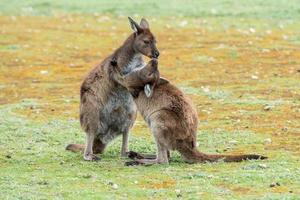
(106, 108)
(172, 118)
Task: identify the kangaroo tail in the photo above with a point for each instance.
(75, 147)
(193, 155)
(237, 158)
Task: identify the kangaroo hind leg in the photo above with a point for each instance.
(88, 151)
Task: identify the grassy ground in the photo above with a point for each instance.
(238, 62)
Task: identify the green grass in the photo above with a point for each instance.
(33, 161)
(35, 166)
(267, 9)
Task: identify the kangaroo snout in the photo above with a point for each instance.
(155, 54)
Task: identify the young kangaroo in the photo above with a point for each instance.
(106, 107)
(170, 115)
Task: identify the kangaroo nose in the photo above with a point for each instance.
(156, 54)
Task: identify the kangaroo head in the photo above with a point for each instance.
(142, 79)
(146, 78)
(144, 41)
(149, 73)
(151, 77)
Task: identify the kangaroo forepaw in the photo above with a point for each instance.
(91, 157)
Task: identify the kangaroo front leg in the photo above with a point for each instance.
(88, 151)
(124, 148)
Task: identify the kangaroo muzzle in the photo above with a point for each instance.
(155, 54)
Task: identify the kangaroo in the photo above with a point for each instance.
(171, 117)
(106, 108)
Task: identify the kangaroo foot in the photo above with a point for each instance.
(91, 157)
(134, 155)
(146, 162)
(132, 163)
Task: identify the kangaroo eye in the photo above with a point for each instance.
(146, 42)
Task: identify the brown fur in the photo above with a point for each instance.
(106, 107)
(171, 117)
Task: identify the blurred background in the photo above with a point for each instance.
(239, 62)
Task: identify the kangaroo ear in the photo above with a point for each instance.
(144, 24)
(148, 89)
(134, 26)
(162, 81)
